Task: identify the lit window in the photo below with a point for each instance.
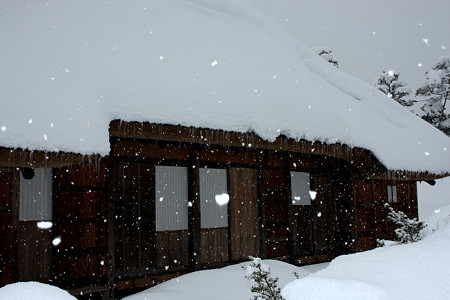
(392, 193)
(213, 198)
(300, 187)
(171, 197)
(36, 196)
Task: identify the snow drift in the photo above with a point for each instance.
(409, 271)
(33, 291)
(68, 68)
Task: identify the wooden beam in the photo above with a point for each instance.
(40, 159)
(366, 164)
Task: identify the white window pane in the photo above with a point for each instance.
(392, 193)
(300, 185)
(213, 198)
(36, 196)
(171, 196)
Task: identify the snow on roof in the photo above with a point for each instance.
(67, 68)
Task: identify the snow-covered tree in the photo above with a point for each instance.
(389, 83)
(409, 230)
(435, 93)
(327, 54)
(264, 285)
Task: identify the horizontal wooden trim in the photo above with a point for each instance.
(202, 136)
(145, 281)
(5, 210)
(90, 289)
(361, 159)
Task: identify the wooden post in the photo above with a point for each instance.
(194, 209)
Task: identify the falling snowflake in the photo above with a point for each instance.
(56, 241)
(222, 199)
(44, 225)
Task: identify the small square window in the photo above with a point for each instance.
(36, 196)
(392, 193)
(300, 187)
(171, 195)
(213, 198)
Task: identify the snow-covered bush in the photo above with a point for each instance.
(409, 230)
(434, 94)
(264, 284)
(327, 54)
(390, 84)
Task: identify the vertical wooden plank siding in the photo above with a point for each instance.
(244, 226)
(8, 254)
(133, 193)
(172, 250)
(324, 215)
(276, 212)
(35, 252)
(345, 212)
(365, 215)
(80, 223)
(214, 246)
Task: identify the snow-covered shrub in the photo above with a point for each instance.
(409, 230)
(264, 284)
(434, 94)
(390, 84)
(327, 54)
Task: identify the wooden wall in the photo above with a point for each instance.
(34, 252)
(371, 213)
(134, 229)
(276, 221)
(8, 225)
(81, 224)
(244, 217)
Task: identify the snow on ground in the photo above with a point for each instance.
(433, 197)
(208, 64)
(413, 271)
(219, 284)
(33, 291)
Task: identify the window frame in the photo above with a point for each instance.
(36, 196)
(213, 215)
(299, 190)
(392, 196)
(164, 215)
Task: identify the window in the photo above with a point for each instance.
(213, 198)
(171, 197)
(36, 196)
(300, 185)
(392, 193)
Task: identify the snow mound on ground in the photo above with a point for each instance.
(412, 271)
(33, 291)
(220, 284)
(327, 288)
(209, 64)
(437, 220)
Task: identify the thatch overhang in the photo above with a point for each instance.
(23, 158)
(364, 162)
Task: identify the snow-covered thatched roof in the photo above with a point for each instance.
(67, 68)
